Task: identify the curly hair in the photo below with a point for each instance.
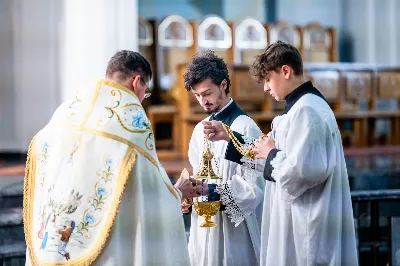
(206, 65)
(274, 57)
(126, 63)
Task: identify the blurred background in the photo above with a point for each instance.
(50, 48)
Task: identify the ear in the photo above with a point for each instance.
(223, 85)
(287, 71)
(135, 83)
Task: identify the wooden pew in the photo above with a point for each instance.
(212, 33)
(333, 86)
(175, 37)
(250, 96)
(147, 41)
(386, 97)
(167, 116)
(365, 90)
(285, 32)
(356, 97)
(216, 34)
(319, 43)
(190, 113)
(247, 92)
(351, 90)
(250, 39)
(348, 88)
(365, 98)
(328, 82)
(148, 48)
(176, 41)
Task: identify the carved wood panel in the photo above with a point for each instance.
(327, 82)
(245, 88)
(358, 85)
(389, 85)
(285, 32)
(317, 43)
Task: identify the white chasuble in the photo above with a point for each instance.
(95, 192)
(237, 237)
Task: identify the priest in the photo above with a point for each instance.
(308, 200)
(95, 192)
(236, 239)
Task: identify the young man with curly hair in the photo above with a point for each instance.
(307, 202)
(237, 237)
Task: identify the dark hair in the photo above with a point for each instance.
(274, 57)
(206, 65)
(126, 63)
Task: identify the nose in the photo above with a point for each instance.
(203, 101)
(266, 87)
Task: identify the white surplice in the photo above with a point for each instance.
(309, 206)
(95, 192)
(236, 239)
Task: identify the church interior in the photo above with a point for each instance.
(350, 50)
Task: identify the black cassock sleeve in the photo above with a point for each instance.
(231, 153)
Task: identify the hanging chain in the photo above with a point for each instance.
(249, 153)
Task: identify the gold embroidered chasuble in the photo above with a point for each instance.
(94, 187)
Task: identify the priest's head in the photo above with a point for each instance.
(280, 68)
(207, 77)
(131, 70)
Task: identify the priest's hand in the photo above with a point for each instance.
(263, 146)
(185, 206)
(215, 131)
(187, 186)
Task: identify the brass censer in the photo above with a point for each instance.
(206, 208)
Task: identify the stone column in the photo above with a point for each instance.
(7, 97)
(92, 31)
(373, 29)
(235, 10)
(55, 47)
(34, 64)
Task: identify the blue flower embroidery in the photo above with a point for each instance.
(109, 163)
(89, 219)
(45, 146)
(139, 121)
(101, 191)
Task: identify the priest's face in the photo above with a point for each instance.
(210, 96)
(278, 82)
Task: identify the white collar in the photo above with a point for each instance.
(223, 108)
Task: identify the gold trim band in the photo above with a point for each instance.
(117, 86)
(94, 99)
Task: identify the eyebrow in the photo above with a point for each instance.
(203, 91)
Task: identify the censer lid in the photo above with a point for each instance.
(206, 171)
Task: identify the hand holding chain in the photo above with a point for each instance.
(247, 152)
